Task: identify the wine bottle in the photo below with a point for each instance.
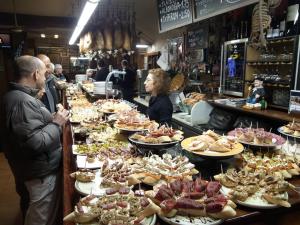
(292, 18)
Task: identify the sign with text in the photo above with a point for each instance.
(204, 9)
(197, 39)
(173, 14)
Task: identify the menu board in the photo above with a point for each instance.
(204, 9)
(173, 14)
(197, 39)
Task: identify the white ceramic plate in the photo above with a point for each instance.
(151, 220)
(255, 201)
(87, 188)
(190, 220)
(82, 163)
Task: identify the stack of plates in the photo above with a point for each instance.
(80, 77)
(99, 87)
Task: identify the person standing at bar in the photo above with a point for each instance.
(128, 83)
(58, 72)
(160, 108)
(50, 98)
(102, 71)
(32, 143)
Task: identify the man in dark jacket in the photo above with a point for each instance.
(102, 71)
(50, 98)
(128, 83)
(32, 142)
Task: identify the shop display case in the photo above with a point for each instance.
(233, 67)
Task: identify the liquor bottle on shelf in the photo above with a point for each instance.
(292, 18)
(263, 104)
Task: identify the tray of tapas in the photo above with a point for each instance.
(211, 144)
(161, 137)
(257, 137)
(291, 130)
(187, 201)
(117, 206)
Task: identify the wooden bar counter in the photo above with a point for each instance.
(268, 113)
(280, 216)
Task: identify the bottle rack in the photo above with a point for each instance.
(276, 66)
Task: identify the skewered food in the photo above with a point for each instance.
(118, 206)
(292, 128)
(256, 136)
(192, 198)
(84, 175)
(256, 187)
(211, 141)
(162, 134)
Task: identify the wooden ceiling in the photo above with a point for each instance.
(60, 16)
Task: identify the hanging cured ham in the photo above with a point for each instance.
(88, 42)
(118, 34)
(108, 33)
(99, 40)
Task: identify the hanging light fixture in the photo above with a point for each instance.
(86, 14)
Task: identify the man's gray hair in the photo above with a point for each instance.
(25, 65)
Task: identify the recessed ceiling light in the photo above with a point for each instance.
(56, 36)
(43, 35)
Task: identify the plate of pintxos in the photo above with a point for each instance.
(255, 189)
(257, 137)
(185, 201)
(291, 130)
(117, 206)
(161, 137)
(211, 144)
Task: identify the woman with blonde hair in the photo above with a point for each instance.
(160, 108)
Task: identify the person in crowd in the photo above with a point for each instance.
(102, 71)
(51, 98)
(160, 108)
(32, 143)
(127, 85)
(58, 72)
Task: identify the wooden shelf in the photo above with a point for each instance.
(262, 63)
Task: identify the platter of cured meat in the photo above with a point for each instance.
(211, 144)
(186, 201)
(257, 137)
(161, 137)
(291, 130)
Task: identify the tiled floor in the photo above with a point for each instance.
(10, 213)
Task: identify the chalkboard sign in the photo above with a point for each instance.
(173, 14)
(204, 9)
(197, 39)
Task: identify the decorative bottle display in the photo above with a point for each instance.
(292, 18)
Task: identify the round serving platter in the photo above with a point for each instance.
(255, 201)
(238, 148)
(152, 145)
(279, 140)
(280, 130)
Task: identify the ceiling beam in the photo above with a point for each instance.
(36, 22)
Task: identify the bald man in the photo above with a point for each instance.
(50, 98)
(32, 142)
